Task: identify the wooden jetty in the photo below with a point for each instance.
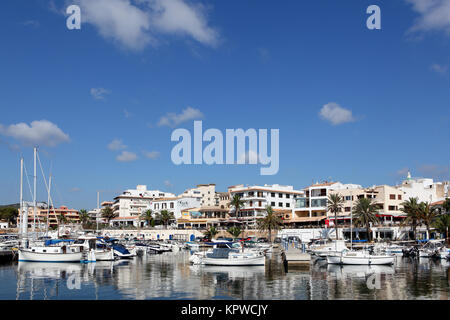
(293, 257)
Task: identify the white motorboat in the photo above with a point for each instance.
(394, 249)
(362, 257)
(225, 254)
(51, 253)
(96, 250)
(335, 247)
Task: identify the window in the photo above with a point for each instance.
(280, 195)
(272, 194)
(280, 204)
(348, 198)
(399, 197)
(392, 196)
(288, 205)
(251, 203)
(348, 209)
(272, 204)
(391, 208)
(260, 203)
(171, 205)
(287, 196)
(260, 194)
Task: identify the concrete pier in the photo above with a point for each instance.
(295, 257)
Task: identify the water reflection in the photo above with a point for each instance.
(170, 276)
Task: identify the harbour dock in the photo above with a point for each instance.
(293, 257)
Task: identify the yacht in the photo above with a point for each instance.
(362, 257)
(228, 254)
(90, 244)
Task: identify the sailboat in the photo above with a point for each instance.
(53, 250)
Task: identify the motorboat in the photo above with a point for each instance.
(432, 248)
(119, 249)
(53, 251)
(97, 251)
(335, 247)
(362, 257)
(394, 249)
(227, 254)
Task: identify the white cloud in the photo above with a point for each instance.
(116, 145)
(435, 171)
(99, 93)
(126, 156)
(168, 184)
(434, 15)
(40, 133)
(336, 114)
(173, 119)
(438, 68)
(151, 154)
(134, 24)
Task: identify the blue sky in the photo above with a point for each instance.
(232, 64)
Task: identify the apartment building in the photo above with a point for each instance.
(311, 208)
(134, 202)
(257, 198)
(207, 193)
(54, 214)
(176, 204)
(203, 218)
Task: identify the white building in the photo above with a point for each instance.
(207, 192)
(176, 204)
(425, 189)
(132, 203)
(4, 224)
(257, 198)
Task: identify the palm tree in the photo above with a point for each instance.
(148, 217)
(335, 203)
(270, 222)
(364, 212)
(412, 209)
(84, 216)
(446, 205)
(166, 216)
(442, 224)
(236, 203)
(108, 214)
(427, 214)
(211, 232)
(235, 231)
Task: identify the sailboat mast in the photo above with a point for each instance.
(48, 201)
(351, 221)
(21, 198)
(98, 209)
(34, 192)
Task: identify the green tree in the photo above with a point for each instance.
(235, 231)
(165, 217)
(211, 232)
(412, 209)
(364, 213)
(446, 205)
(335, 203)
(427, 214)
(84, 217)
(108, 214)
(442, 223)
(237, 204)
(9, 214)
(270, 222)
(148, 217)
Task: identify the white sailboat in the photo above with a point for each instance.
(362, 257)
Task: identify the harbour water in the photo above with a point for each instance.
(170, 276)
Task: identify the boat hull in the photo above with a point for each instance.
(257, 261)
(25, 255)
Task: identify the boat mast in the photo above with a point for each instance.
(21, 198)
(48, 202)
(351, 221)
(34, 192)
(98, 210)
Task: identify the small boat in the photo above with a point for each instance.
(119, 250)
(52, 251)
(97, 251)
(335, 247)
(227, 254)
(362, 257)
(394, 249)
